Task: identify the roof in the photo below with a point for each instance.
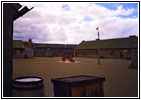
(18, 44)
(119, 43)
(51, 46)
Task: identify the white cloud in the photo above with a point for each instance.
(121, 11)
(48, 22)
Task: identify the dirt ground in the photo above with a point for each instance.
(120, 80)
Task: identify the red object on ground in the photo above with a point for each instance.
(63, 58)
(70, 58)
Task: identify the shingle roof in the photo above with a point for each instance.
(51, 46)
(18, 44)
(130, 42)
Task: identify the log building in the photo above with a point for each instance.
(18, 49)
(110, 48)
(21, 49)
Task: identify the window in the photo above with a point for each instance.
(112, 52)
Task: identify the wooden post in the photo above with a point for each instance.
(10, 14)
(7, 50)
(98, 56)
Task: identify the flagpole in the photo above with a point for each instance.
(98, 48)
(98, 34)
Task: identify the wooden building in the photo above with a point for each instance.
(18, 49)
(110, 48)
(51, 50)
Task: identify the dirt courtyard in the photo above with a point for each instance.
(120, 80)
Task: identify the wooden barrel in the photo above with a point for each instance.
(28, 87)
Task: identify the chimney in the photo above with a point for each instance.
(83, 40)
(97, 39)
(132, 36)
(30, 43)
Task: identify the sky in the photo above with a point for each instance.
(73, 22)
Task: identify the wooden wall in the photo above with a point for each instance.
(18, 53)
(104, 53)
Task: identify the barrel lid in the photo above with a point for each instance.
(28, 80)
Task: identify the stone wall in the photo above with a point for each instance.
(28, 53)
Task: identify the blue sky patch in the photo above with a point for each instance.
(65, 7)
(129, 16)
(113, 6)
(88, 19)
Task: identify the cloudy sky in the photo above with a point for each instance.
(72, 22)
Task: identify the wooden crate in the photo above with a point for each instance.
(79, 86)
